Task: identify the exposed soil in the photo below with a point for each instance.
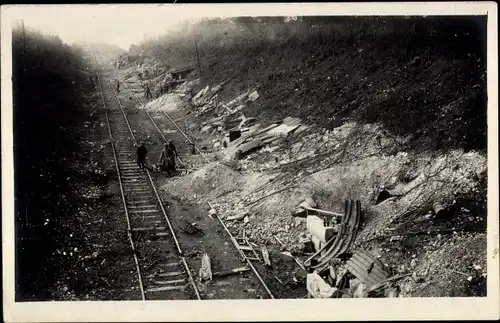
(355, 145)
(419, 136)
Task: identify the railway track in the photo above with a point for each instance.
(242, 246)
(150, 231)
(190, 157)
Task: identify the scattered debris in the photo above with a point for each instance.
(188, 227)
(319, 232)
(240, 216)
(265, 255)
(255, 139)
(253, 96)
(212, 213)
(368, 269)
(357, 288)
(200, 94)
(396, 238)
(344, 238)
(230, 272)
(391, 292)
(440, 210)
(324, 212)
(206, 268)
(317, 287)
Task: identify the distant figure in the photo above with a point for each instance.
(141, 156)
(167, 83)
(147, 91)
(91, 78)
(117, 86)
(167, 158)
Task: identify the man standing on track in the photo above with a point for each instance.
(167, 158)
(117, 86)
(141, 156)
(147, 91)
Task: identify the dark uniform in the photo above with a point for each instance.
(117, 86)
(141, 156)
(167, 158)
(147, 91)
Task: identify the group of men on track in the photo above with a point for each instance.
(168, 155)
(166, 162)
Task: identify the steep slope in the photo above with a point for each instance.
(427, 74)
(396, 104)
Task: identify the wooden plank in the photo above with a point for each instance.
(170, 274)
(321, 211)
(169, 282)
(165, 288)
(230, 272)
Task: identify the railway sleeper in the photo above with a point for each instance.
(135, 184)
(132, 178)
(143, 229)
(145, 206)
(141, 204)
(143, 193)
(124, 168)
(167, 288)
(161, 234)
(169, 274)
(169, 282)
(157, 216)
(155, 210)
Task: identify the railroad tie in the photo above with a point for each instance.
(169, 282)
(147, 207)
(170, 274)
(149, 229)
(167, 288)
(147, 217)
(155, 210)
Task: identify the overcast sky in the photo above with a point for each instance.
(124, 25)
(118, 25)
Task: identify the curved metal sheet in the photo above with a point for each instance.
(346, 236)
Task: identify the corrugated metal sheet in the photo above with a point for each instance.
(367, 268)
(347, 233)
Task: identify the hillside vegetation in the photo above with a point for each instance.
(49, 82)
(423, 78)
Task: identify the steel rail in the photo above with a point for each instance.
(175, 124)
(160, 202)
(297, 261)
(249, 262)
(233, 240)
(129, 228)
(154, 122)
(187, 138)
(161, 133)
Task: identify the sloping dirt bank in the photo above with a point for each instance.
(413, 137)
